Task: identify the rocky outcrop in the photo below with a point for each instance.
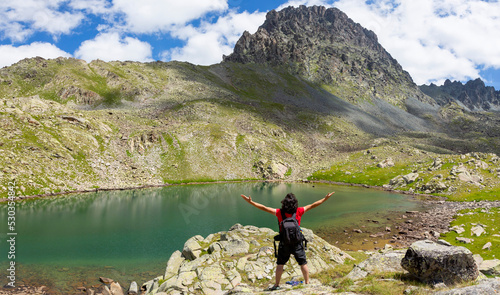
(490, 267)
(487, 286)
(271, 169)
(433, 263)
(226, 261)
(389, 261)
(81, 96)
(474, 94)
(327, 47)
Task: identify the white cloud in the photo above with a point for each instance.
(20, 19)
(11, 54)
(206, 44)
(97, 7)
(161, 15)
(111, 46)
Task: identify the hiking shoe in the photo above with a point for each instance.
(273, 288)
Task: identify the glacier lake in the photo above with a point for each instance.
(70, 241)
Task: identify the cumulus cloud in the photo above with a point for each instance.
(161, 15)
(432, 39)
(111, 46)
(20, 19)
(11, 54)
(97, 7)
(207, 43)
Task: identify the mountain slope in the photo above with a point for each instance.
(71, 125)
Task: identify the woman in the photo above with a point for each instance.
(289, 205)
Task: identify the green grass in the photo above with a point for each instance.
(360, 168)
(491, 221)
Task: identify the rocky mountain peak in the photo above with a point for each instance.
(474, 94)
(288, 35)
(326, 47)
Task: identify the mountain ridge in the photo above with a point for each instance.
(474, 94)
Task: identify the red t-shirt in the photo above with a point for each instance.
(298, 214)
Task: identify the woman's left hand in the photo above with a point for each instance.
(248, 199)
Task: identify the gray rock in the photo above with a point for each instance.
(236, 226)
(443, 242)
(211, 273)
(457, 229)
(186, 278)
(105, 280)
(214, 247)
(397, 181)
(173, 264)
(192, 248)
(490, 267)
(380, 262)
(236, 247)
(488, 286)
(478, 259)
(477, 230)
(410, 178)
(487, 246)
(234, 277)
(115, 288)
(133, 289)
(464, 240)
(432, 262)
(386, 163)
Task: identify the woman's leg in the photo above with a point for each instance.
(305, 273)
(279, 272)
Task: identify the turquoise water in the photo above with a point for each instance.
(69, 241)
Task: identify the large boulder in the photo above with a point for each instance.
(433, 263)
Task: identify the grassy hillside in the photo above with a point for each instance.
(70, 125)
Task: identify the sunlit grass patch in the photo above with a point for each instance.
(490, 220)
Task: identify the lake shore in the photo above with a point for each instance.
(94, 190)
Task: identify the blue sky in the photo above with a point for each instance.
(433, 40)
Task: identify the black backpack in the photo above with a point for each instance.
(290, 233)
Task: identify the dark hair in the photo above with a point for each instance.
(289, 204)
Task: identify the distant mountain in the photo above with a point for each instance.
(474, 94)
(326, 47)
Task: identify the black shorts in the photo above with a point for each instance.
(297, 250)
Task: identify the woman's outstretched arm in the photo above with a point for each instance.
(317, 203)
(259, 206)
